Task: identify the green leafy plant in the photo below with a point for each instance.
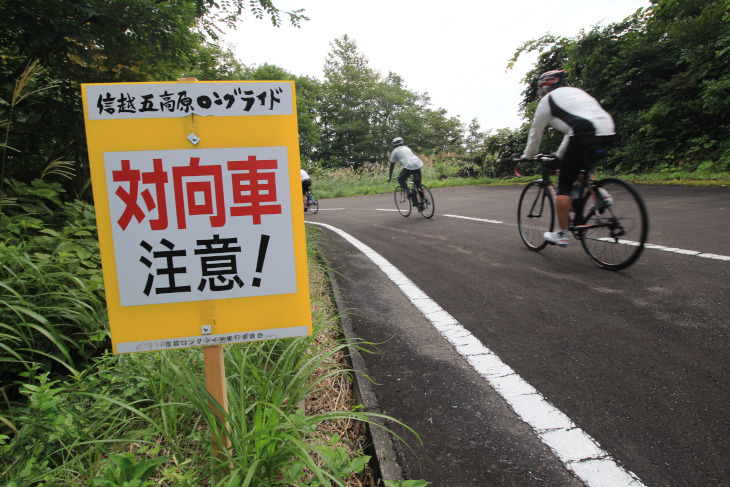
(41, 428)
(127, 470)
(51, 285)
(147, 419)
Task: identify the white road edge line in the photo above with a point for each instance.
(694, 253)
(577, 450)
(476, 219)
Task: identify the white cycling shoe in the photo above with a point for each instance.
(560, 238)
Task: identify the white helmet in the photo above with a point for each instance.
(398, 141)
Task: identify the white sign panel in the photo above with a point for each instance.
(170, 100)
(192, 225)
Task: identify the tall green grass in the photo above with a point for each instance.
(52, 309)
(146, 419)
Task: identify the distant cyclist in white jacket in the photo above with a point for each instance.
(586, 125)
(411, 166)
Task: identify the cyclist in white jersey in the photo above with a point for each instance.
(411, 167)
(586, 126)
(306, 185)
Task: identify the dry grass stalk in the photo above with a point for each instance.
(336, 391)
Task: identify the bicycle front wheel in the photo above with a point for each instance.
(402, 201)
(535, 215)
(314, 206)
(425, 199)
(614, 236)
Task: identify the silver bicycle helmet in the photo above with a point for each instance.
(550, 80)
(398, 141)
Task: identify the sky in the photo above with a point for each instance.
(458, 55)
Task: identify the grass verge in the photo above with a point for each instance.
(145, 419)
(339, 183)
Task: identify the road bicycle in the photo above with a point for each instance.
(425, 205)
(312, 202)
(613, 233)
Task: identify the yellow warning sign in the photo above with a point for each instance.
(198, 205)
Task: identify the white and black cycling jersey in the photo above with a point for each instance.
(573, 112)
(405, 157)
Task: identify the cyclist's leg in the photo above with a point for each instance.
(416, 184)
(403, 178)
(604, 198)
(570, 166)
(403, 181)
(577, 158)
(306, 184)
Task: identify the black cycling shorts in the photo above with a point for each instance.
(578, 157)
(405, 173)
(306, 184)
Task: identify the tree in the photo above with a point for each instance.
(308, 94)
(664, 75)
(348, 107)
(498, 150)
(211, 62)
(91, 41)
(474, 137)
(399, 113)
(361, 112)
(442, 133)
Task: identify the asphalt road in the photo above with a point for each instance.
(638, 360)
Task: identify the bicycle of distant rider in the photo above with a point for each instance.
(424, 198)
(312, 202)
(612, 233)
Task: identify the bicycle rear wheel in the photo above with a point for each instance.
(314, 206)
(425, 199)
(535, 215)
(614, 237)
(402, 201)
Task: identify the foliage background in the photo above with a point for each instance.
(663, 73)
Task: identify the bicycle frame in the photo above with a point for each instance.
(612, 232)
(588, 192)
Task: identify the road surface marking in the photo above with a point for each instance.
(577, 450)
(476, 219)
(694, 253)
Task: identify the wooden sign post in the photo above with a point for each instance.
(215, 381)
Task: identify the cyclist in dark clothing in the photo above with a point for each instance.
(585, 124)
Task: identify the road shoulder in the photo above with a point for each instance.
(469, 435)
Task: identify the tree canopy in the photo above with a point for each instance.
(361, 112)
(49, 47)
(664, 75)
